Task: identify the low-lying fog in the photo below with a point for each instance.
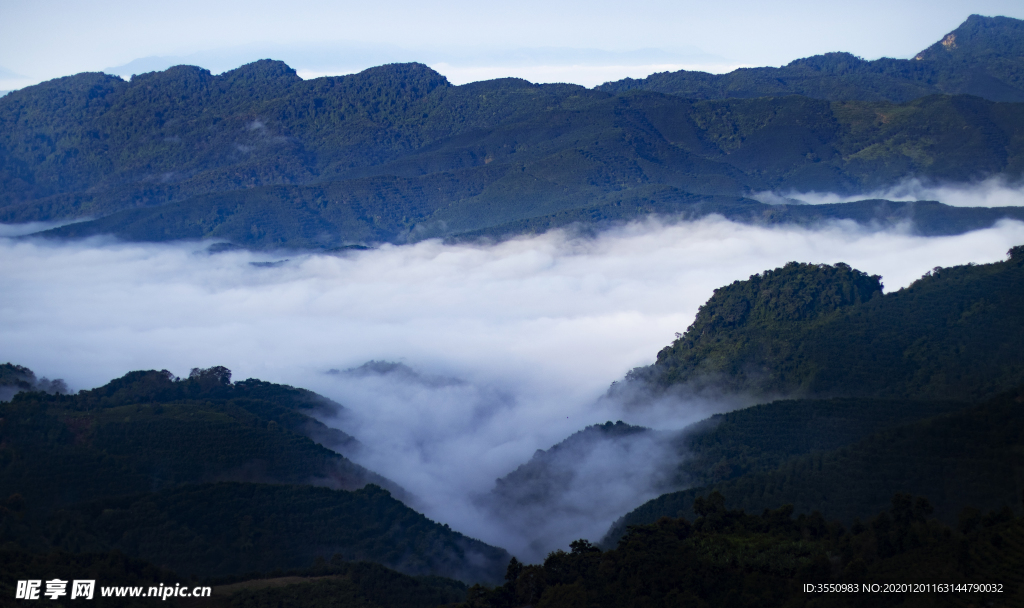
(994, 191)
(507, 346)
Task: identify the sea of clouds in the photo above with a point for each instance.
(510, 345)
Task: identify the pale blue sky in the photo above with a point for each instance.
(550, 40)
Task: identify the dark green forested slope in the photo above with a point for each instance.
(928, 218)
(730, 558)
(337, 583)
(968, 458)
(983, 57)
(129, 467)
(724, 447)
(907, 363)
(956, 333)
(147, 431)
(237, 528)
(340, 584)
(262, 158)
(763, 437)
(105, 568)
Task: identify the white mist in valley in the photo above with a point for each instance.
(505, 348)
(993, 191)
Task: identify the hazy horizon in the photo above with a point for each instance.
(565, 41)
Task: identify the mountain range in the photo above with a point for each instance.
(885, 446)
(261, 158)
(982, 57)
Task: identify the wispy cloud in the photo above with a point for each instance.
(26, 228)
(995, 191)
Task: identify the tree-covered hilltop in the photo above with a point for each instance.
(133, 466)
(18, 378)
(548, 473)
(148, 430)
(970, 457)
(263, 158)
(821, 330)
(745, 328)
(579, 486)
(727, 557)
(982, 57)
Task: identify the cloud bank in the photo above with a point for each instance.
(509, 345)
(995, 191)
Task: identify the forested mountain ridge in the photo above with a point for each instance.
(958, 459)
(148, 431)
(819, 330)
(982, 57)
(927, 378)
(608, 469)
(121, 466)
(264, 159)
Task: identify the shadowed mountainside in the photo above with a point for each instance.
(335, 582)
(729, 557)
(148, 431)
(922, 374)
(958, 459)
(237, 528)
(176, 472)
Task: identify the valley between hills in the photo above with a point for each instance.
(881, 438)
(202, 476)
